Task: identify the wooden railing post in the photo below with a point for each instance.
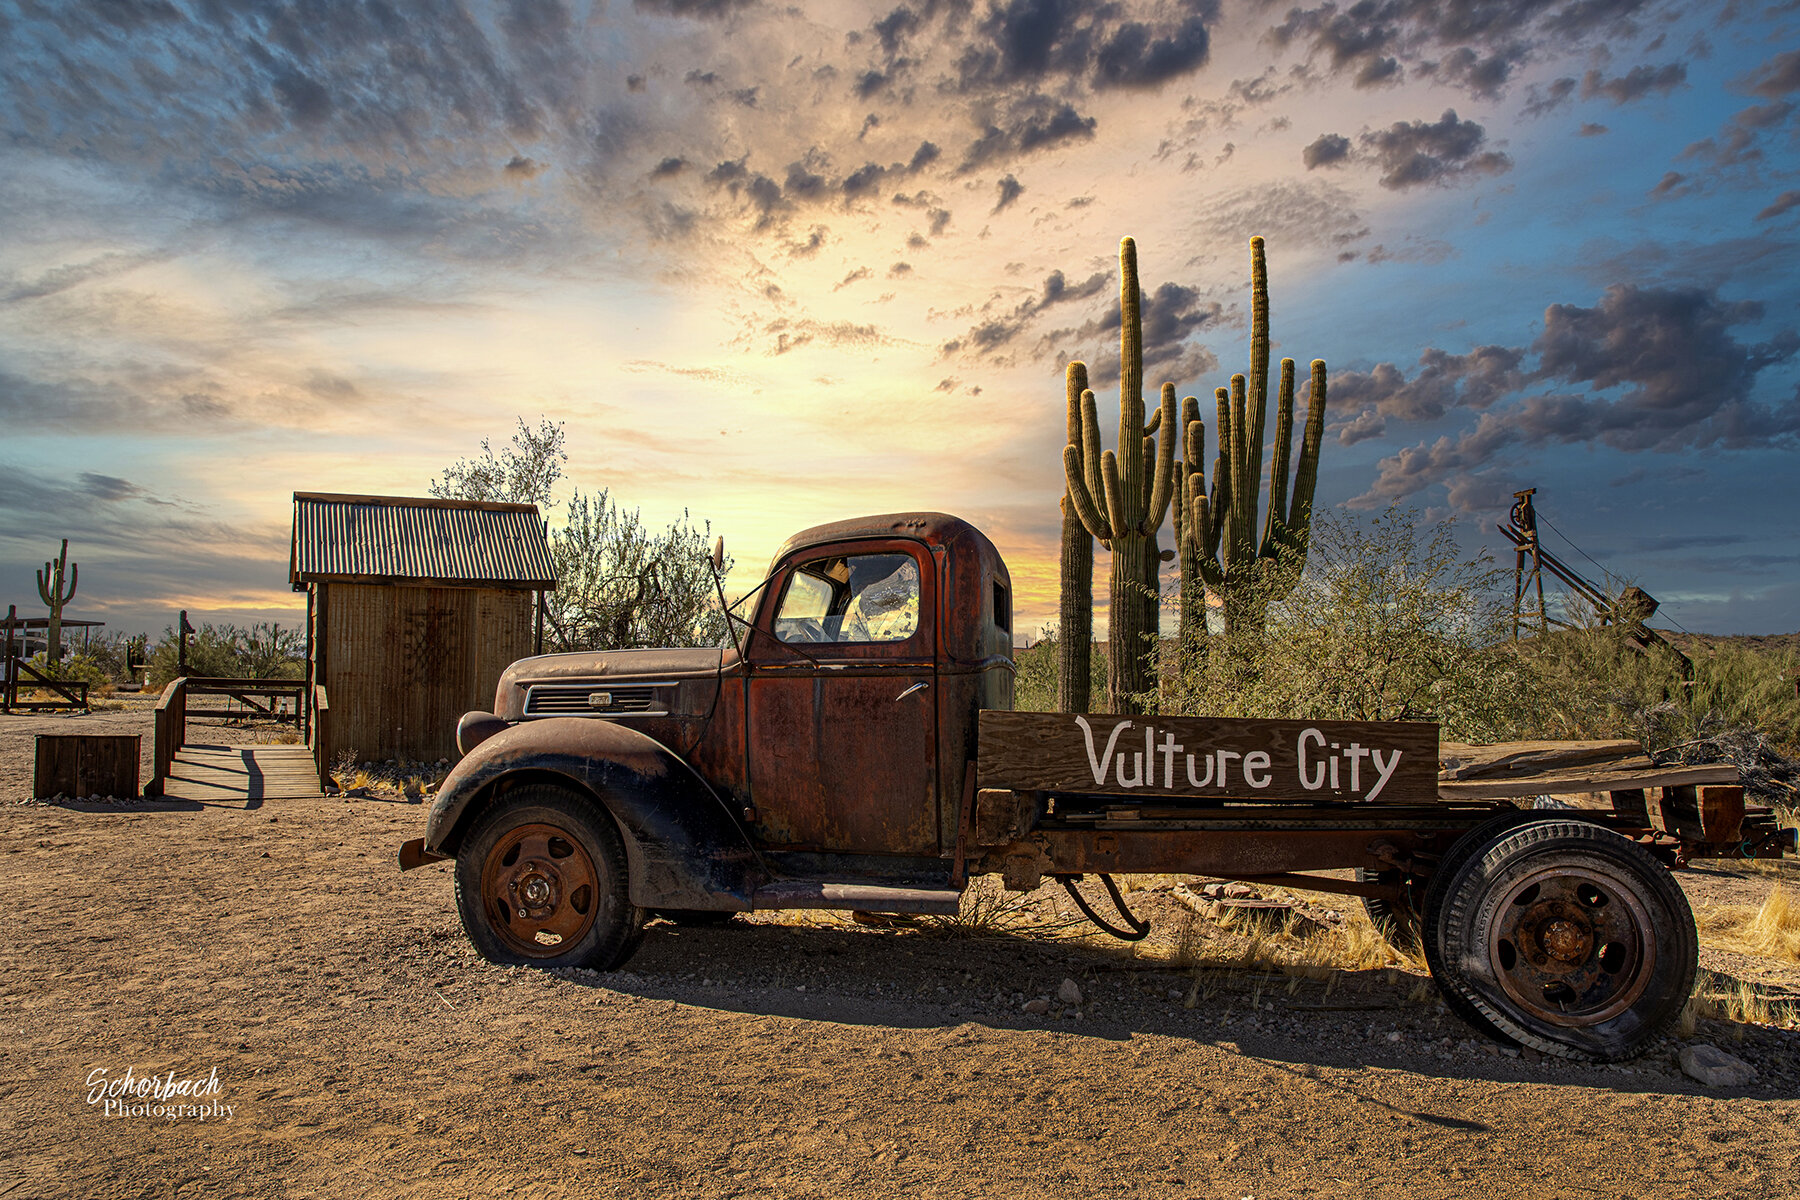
(171, 733)
(321, 734)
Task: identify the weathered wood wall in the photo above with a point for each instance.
(402, 664)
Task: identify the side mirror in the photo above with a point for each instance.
(718, 554)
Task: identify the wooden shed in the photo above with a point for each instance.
(414, 608)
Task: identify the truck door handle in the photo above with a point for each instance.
(917, 687)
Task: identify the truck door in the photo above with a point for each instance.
(843, 702)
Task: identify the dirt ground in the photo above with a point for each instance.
(363, 1050)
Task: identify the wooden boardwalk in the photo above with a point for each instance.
(230, 774)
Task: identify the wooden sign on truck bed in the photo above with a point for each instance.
(1210, 758)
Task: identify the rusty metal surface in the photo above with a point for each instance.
(1217, 852)
(1572, 946)
(540, 890)
(683, 845)
(843, 747)
(339, 537)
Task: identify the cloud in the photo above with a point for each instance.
(1416, 153)
(1786, 202)
(1779, 76)
(701, 10)
(1738, 142)
(1555, 96)
(521, 167)
(1476, 46)
(1661, 368)
(996, 332)
(1635, 84)
(1039, 42)
(1010, 190)
(1326, 150)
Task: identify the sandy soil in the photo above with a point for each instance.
(364, 1050)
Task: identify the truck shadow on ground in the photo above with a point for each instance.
(908, 979)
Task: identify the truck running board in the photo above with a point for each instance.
(861, 897)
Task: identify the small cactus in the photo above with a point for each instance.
(1126, 508)
(50, 587)
(1219, 534)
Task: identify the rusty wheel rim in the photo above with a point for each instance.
(541, 889)
(1572, 946)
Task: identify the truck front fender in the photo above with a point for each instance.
(682, 845)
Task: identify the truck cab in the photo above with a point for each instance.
(822, 760)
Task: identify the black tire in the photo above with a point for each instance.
(541, 881)
(1400, 924)
(1461, 851)
(695, 916)
(1569, 939)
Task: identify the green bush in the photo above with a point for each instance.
(1389, 623)
(263, 651)
(1034, 687)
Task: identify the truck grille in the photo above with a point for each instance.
(582, 699)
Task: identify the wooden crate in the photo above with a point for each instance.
(87, 764)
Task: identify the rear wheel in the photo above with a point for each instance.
(1570, 939)
(1460, 852)
(541, 881)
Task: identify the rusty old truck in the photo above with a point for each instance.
(854, 748)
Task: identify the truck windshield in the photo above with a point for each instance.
(855, 598)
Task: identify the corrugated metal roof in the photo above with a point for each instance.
(403, 538)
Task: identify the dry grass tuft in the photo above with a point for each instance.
(1772, 931)
(1738, 1001)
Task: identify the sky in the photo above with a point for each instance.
(776, 264)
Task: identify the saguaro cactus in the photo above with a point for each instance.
(1076, 618)
(1246, 570)
(50, 587)
(1127, 507)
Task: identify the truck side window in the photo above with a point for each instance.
(854, 598)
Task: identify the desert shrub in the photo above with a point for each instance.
(263, 651)
(1601, 684)
(1034, 687)
(1389, 623)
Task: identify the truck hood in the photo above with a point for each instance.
(619, 664)
(695, 673)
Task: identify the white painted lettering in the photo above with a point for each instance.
(1256, 761)
(1136, 779)
(1355, 755)
(1097, 764)
(1311, 783)
(1170, 748)
(1225, 767)
(1204, 780)
(1386, 769)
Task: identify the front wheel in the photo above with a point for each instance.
(541, 881)
(1568, 938)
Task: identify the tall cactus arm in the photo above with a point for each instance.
(1307, 478)
(1259, 371)
(44, 591)
(1081, 498)
(1115, 492)
(1281, 454)
(1076, 381)
(1090, 447)
(1165, 463)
